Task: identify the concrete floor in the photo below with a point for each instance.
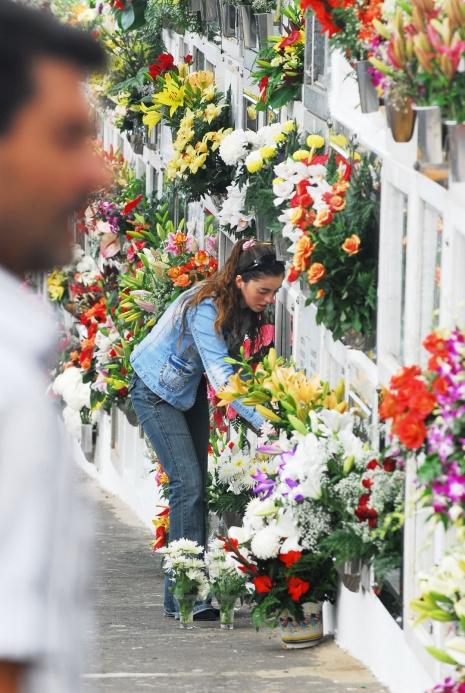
(134, 647)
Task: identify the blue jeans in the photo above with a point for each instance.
(180, 440)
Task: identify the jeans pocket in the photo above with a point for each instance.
(175, 373)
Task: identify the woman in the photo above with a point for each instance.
(202, 327)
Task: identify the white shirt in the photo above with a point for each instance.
(42, 542)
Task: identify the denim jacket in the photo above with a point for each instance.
(172, 365)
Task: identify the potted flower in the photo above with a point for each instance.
(227, 583)
(280, 63)
(183, 563)
(349, 26)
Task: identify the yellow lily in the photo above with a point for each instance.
(172, 95)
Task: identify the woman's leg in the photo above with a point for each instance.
(171, 438)
(198, 422)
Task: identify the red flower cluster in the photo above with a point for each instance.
(297, 588)
(290, 558)
(364, 512)
(163, 63)
(132, 204)
(408, 403)
(323, 12)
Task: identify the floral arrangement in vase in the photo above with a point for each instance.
(328, 206)
(426, 410)
(280, 65)
(183, 562)
(227, 584)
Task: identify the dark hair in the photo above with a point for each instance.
(27, 35)
(222, 286)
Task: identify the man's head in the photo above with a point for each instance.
(47, 163)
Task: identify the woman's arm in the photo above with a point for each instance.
(213, 350)
(9, 677)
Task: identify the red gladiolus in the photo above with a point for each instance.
(297, 588)
(230, 544)
(132, 204)
(262, 86)
(290, 558)
(119, 5)
(294, 37)
(263, 584)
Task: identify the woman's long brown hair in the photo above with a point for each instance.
(228, 298)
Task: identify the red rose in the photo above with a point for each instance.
(410, 430)
(372, 522)
(165, 61)
(188, 59)
(293, 274)
(297, 588)
(373, 464)
(290, 558)
(154, 70)
(389, 464)
(262, 584)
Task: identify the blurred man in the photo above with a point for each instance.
(47, 169)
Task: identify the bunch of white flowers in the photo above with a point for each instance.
(76, 395)
(231, 213)
(183, 562)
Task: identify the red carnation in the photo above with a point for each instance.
(367, 483)
(373, 464)
(297, 588)
(263, 584)
(290, 558)
(389, 464)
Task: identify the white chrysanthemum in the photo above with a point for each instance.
(266, 543)
(233, 147)
(67, 381)
(86, 264)
(240, 534)
(72, 420)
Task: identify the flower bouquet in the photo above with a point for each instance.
(227, 584)
(442, 599)
(281, 63)
(279, 392)
(427, 414)
(183, 563)
(329, 212)
(253, 156)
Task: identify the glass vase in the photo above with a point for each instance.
(226, 604)
(186, 610)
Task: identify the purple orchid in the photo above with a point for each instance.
(264, 485)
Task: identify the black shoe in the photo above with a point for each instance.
(208, 614)
(169, 614)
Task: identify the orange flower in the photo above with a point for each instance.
(304, 248)
(341, 187)
(405, 376)
(336, 203)
(316, 272)
(390, 406)
(182, 280)
(323, 218)
(410, 430)
(320, 293)
(201, 258)
(173, 272)
(351, 245)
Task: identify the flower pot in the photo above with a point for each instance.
(87, 442)
(456, 132)
(248, 27)
(211, 11)
(186, 610)
(429, 130)
(369, 102)
(228, 19)
(401, 121)
(226, 604)
(265, 27)
(350, 573)
(307, 633)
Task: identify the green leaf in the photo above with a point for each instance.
(440, 655)
(126, 18)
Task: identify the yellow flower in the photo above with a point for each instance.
(187, 120)
(211, 112)
(183, 70)
(254, 162)
(216, 137)
(279, 137)
(315, 141)
(339, 140)
(197, 163)
(151, 116)
(301, 154)
(201, 79)
(172, 95)
(201, 148)
(277, 181)
(268, 152)
(289, 126)
(252, 112)
(208, 94)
